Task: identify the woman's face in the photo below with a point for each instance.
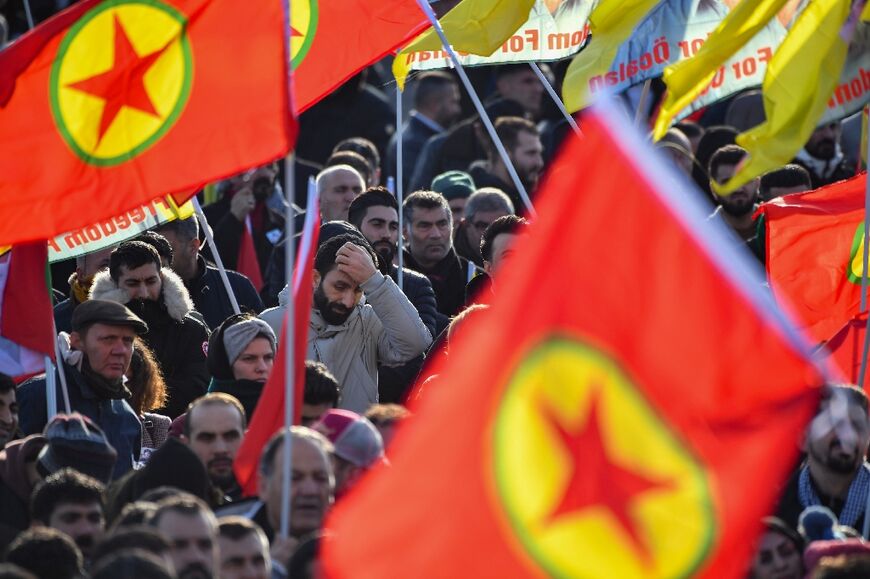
(777, 558)
(255, 361)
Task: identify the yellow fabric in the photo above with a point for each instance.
(611, 23)
(800, 79)
(687, 78)
(865, 16)
(475, 26)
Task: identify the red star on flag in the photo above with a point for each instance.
(122, 85)
(596, 480)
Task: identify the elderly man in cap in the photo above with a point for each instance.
(99, 353)
(457, 187)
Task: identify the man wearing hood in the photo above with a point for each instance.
(157, 295)
(87, 266)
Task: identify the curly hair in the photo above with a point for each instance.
(146, 380)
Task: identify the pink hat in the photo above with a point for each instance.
(355, 439)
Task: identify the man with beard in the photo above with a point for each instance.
(376, 214)
(214, 429)
(522, 141)
(8, 411)
(835, 474)
(157, 295)
(735, 209)
(73, 503)
(244, 549)
(428, 230)
(80, 283)
(202, 280)
(350, 337)
(191, 528)
(823, 157)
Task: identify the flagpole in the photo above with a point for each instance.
(289, 340)
(865, 258)
(400, 188)
(64, 389)
(203, 222)
(515, 178)
(50, 391)
(556, 99)
(644, 93)
(28, 14)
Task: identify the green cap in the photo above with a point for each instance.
(454, 184)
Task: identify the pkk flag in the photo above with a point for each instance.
(332, 40)
(588, 446)
(110, 105)
(815, 246)
(26, 315)
(268, 416)
(473, 26)
(846, 348)
(247, 263)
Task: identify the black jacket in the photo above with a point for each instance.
(448, 279)
(228, 234)
(63, 314)
(210, 296)
(178, 339)
(394, 381)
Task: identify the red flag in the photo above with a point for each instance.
(268, 417)
(814, 244)
(247, 263)
(846, 348)
(332, 40)
(129, 101)
(608, 415)
(26, 315)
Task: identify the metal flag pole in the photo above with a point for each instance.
(50, 391)
(400, 240)
(203, 223)
(424, 6)
(400, 188)
(289, 341)
(556, 99)
(865, 257)
(28, 14)
(64, 389)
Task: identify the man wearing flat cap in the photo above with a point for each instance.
(99, 353)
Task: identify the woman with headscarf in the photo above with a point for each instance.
(241, 352)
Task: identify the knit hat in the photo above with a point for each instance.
(75, 441)
(355, 439)
(453, 185)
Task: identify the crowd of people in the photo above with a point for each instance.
(131, 474)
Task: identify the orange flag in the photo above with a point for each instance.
(110, 105)
(814, 245)
(846, 349)
(606, 417)
(247, 263)
(332, 40)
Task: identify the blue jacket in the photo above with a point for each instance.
(117, 419)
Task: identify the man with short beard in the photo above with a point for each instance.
(835, 474)
(73, 503)
(737, 208)
(214, 429)
(352, 338)
(9, 410)
(823, 157)
(191, 528)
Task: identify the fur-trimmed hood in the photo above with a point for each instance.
(174, 295)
